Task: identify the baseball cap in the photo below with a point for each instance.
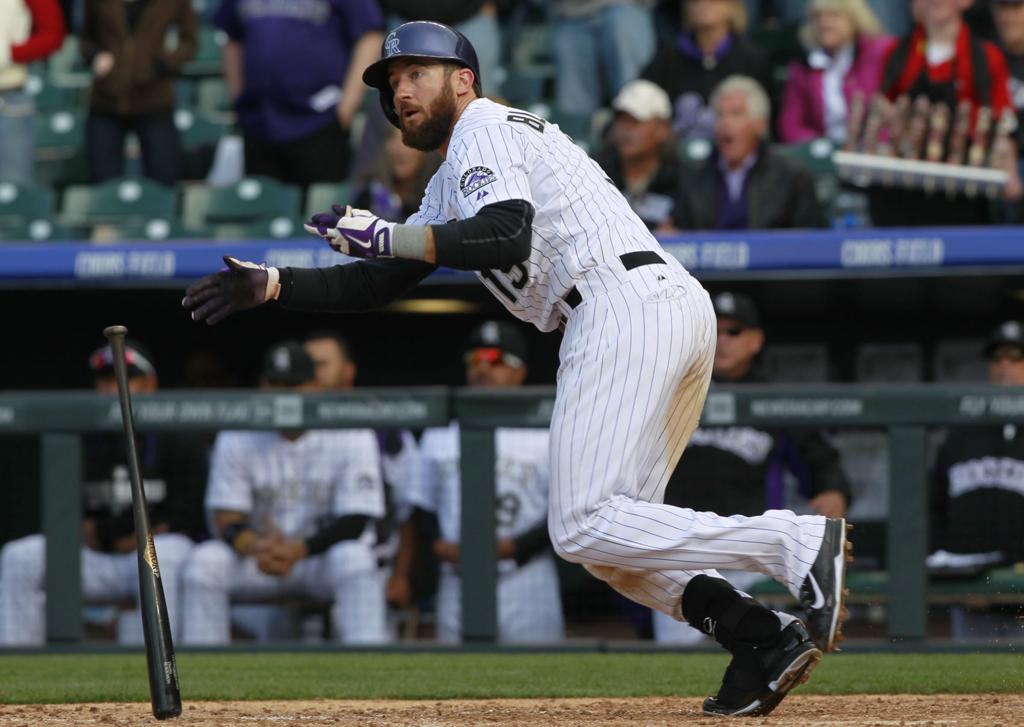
(288, 364)
(503, 339)
(738, 306)
(139, 360)
(1008, 333)
(643, 100)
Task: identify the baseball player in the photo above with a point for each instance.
(529, 604)
(171, 467)
(295, 514)
(546, 231)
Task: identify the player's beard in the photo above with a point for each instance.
(437, 122)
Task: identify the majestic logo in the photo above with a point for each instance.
(708, 626)
(391, 44)
(476, 178)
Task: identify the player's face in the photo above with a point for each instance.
(832, 29)
(424, 102)
(637, 139)
(333, 369)
(485, 367)
(736, 349)
(1006, 366)
(737, 133)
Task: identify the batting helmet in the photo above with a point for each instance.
(419, 39)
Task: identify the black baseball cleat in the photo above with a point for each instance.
(759, 677)
(823, 592)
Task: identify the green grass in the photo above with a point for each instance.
(27, 679)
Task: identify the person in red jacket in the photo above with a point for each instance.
(30, 30)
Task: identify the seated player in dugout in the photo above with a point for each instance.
(529, 604)
(336, 370)
(293, 514)
(977, 500)
(743, 470)
(519, 203)
(173, 469)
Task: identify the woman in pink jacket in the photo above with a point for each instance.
(845, 51)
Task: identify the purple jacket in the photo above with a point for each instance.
(802, 115)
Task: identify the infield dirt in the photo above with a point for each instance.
(814, 711)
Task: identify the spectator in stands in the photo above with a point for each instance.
(529, 603)
(740, 469)
(125, 44)
(894, 16)
(599, 46)
(173, 468)
(294, 513)
(30, 30)
(294, 72)
(710, 48)
(844, 60)
(641, 156)
(978, 495)
(1009, 17)
(393, 188)
(942, 60)
(744, 184)
(475, 19)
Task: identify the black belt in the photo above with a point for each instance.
(629, 260)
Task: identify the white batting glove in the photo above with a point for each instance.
(358, 233)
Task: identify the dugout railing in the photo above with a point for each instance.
(905, 412)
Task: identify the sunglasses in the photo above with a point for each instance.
(484, 355)
(1012, 355)
(731, 331)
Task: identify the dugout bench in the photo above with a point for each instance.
(905, 412)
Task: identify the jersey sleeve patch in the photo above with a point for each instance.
(476, 178)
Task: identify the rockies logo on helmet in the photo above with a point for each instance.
(391, 44)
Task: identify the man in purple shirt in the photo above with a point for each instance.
(294, 72)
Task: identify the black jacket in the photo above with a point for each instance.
(657, 203)
(977, 498)
(780, 194)
(739, 470)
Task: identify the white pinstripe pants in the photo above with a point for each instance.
(635, 367)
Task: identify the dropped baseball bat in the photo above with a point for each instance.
(164, 690)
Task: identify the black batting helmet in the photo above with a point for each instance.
(419, 39)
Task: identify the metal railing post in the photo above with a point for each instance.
(479, 544)
(62, 526)
(907, 533)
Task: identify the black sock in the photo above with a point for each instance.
(714, 607)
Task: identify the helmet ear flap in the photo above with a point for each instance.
(387, 105)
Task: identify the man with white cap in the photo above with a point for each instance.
(641, 157)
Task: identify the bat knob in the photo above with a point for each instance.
(112, 332)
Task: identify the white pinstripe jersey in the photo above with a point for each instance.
(521, 479)
(581, 223)
(289, 485)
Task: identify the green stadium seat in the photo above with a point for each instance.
(212, 96)
(126, 200)
(694, 150)
(37, 230)
(155, 229)
(251, 199)
(275, 228)
(322, 195)
(578, 126)
(207, 61)
(816, 155)
(196, 129)
(66, 67)
(50, 97)
(524, 88)
(20, 204)
(60, 148)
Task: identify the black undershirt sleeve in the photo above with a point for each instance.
(346, 527)
(496, 238)
(533, 542)
(359, 286)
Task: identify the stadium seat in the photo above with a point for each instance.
(578, 126)
(884, 363)
(212, 96)
(798, 363)
(959, 361)
(694, 150)
(322, 195)
(275, 228)
(60, 142)
(207, 61)
(66, 67)
(154, 229)
(50, 97)
(37, 230)
(230, 209)
(125, 200)
(199, 137)
(816, 155)
(21, 204)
